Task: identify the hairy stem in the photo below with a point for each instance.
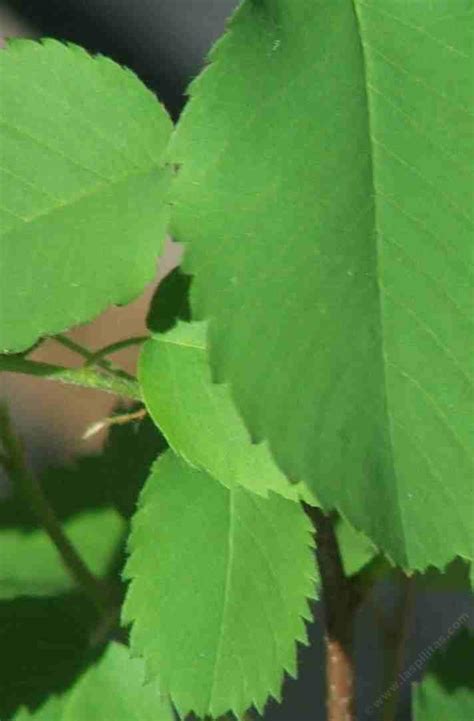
(85, 377)
(395, 643)
(340, 603)
(13, 459)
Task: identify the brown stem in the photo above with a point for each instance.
(340, 602)
(13, 459)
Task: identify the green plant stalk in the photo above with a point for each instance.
(97, 357)
(13, 459)
(88, 354)
(84, 377)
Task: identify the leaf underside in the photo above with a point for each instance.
(82, 186)
(219, 585)
(325, 194)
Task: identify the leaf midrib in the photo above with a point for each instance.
(227, 587)
(79, 197)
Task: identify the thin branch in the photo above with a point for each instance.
(340, 603)
(98, 356)
(85, 377)
(119, 420)
(13, 459)
(88, 356)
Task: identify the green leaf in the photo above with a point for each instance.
(83, 188)
(356, 549)
(325, 191)
(50, 711)
(455, 577)
(31, 566)
(447, 691)
(198, 417)
(219, 585)
(202, 425)
(113, 689)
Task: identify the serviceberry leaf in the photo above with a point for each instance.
(83, 208)
(220, 582)
(325, 199)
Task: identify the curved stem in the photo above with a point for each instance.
(97, 356)
(85, 377)
(89, 356)
(13, 459)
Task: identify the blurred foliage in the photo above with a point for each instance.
(46, 642)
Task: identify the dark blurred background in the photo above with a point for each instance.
(165, 42)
